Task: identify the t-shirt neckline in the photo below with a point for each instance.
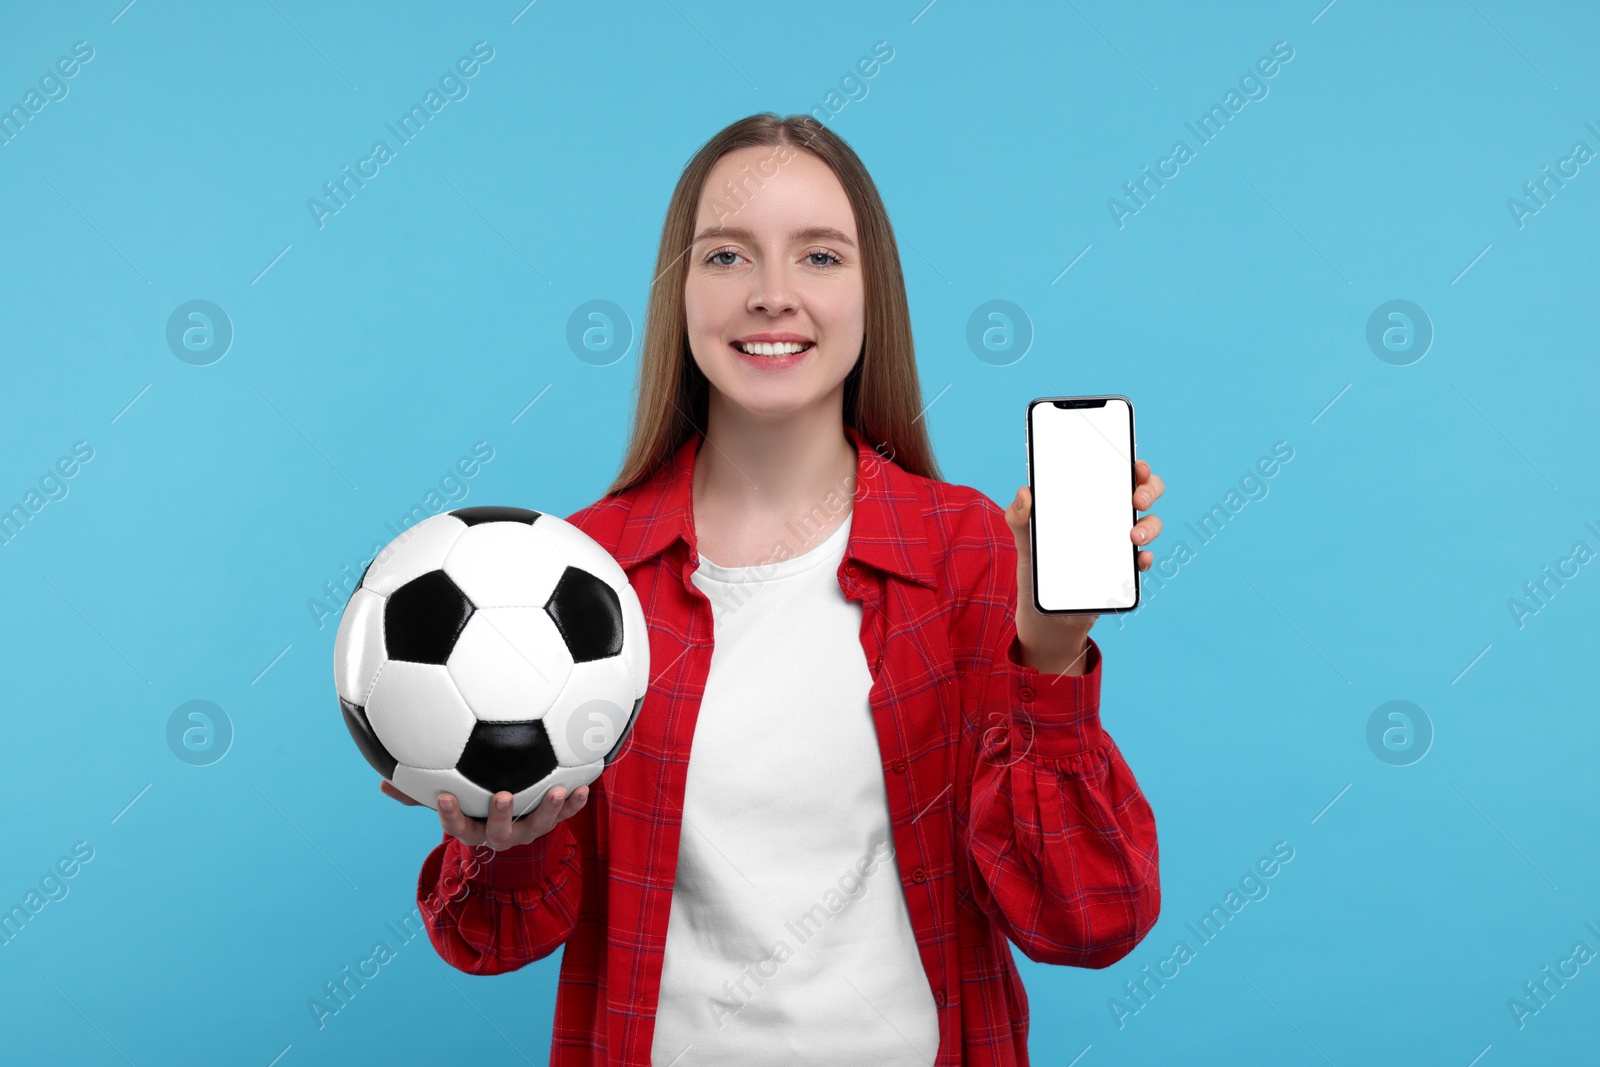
(830, 547)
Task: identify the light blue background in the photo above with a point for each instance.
(428, 313)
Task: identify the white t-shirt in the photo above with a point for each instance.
(789, 941)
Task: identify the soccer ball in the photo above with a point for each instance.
(491, 649)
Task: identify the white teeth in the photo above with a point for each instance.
(787, 348)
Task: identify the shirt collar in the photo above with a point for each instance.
(887, 528)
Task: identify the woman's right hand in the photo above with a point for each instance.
(500, 831)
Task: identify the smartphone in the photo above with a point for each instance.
(1080, 472)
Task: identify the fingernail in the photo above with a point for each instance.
(1017, 500)
(503, 803)
(446, 804)
(555, 796)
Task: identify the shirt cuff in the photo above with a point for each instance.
(1056, 716)
(517, 867)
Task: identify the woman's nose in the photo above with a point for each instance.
(770, 290)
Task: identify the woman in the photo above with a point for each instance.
(897, 764)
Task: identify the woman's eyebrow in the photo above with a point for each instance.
(810, 233)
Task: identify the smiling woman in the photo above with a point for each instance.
(878, 694)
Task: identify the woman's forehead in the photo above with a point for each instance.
(750, 190)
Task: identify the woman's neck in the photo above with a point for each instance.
(757, 481)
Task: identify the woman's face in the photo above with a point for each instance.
(778, 266)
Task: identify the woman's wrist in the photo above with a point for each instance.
(1070, 658)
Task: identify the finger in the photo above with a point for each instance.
(575, 802)
(541, 819)
(564, 809)
(1017, 518)
(388, 788)
(1145, 559)
(1017, 511)
(497, 827)
(1149, 492)
(457, 825)
(1146, 529)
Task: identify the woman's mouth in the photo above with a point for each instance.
(772, 355)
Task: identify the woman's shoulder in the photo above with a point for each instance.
(604, 520)
(956, 507)
(972, 554)
(963, 526)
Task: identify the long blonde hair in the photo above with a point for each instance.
(882, 394)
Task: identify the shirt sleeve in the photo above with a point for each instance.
(1060, 838)
(490, 912)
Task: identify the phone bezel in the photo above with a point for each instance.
(1033, 540)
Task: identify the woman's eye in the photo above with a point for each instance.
(828, 259)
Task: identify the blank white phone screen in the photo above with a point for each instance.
(1082, 471)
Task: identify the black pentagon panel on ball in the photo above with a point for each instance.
(474, 516)
(355, 719)
(424, 617)
(588, 613)
(507, 755)
(622, 739)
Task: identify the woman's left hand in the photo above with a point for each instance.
(1057, 644)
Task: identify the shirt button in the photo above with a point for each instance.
(938, 997)
(900, 766)
(849, 568)
(1027, 730)
(1026, 693)
(918, 877)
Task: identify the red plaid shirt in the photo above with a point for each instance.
(1013, 813)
